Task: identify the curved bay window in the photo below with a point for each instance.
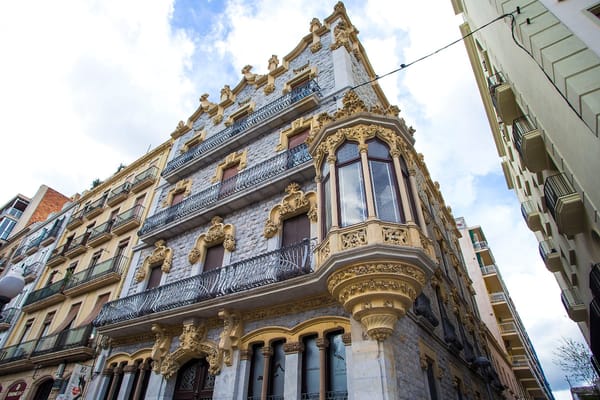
(326, 198)
(384, 182)
(351, 186)
(408, 186)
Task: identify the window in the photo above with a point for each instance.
(431, 380)
(276, 371)
(458, 385)
(336, 366)
(384, 183)
(177, 198)
(95, 258)
(155, 276)
(46, 324)
(351, 193)
(214, 257)
(295, 230)
(325, 198)
(297, 139)
(256, 372)
(26, 330)
(311, 368)
(595, 10)
(407, 185)
(228, 180)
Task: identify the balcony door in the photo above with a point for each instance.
(228, 180)
(194, 381)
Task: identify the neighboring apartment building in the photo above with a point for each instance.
(539, 78)
(10, 215)
(298, 248)
(29, 259)
(53, 340)
(516, 360)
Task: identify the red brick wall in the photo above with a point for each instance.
(51, 202)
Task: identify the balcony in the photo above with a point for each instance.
(565, 205)
(17, 352)
(30, 271)
(144, 179)
(491, 278)
(34, 245)
(19, 254)
(500, 305)
(550, 256)
(75, 221)
(270, 116)
(94, 209)
(576, 309)
(96, 276)
(503, 98)
(9, 316)
(52, 234)
(128, 220)
(44, 297)
(58, 256)
(118, 194)
(77, 245)
(250, 185)
(100, 234)
(531, 215)
(480, 245)
(262, 270)
(70, 345)
(508, 330)
(530, 145)
(519, 361)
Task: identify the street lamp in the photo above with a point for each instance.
(11, 285)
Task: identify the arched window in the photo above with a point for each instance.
(384, 183)
(256, 372)
(351, 188)
(311, 368)
(276, 371)
(336, 367)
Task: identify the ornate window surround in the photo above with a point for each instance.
(183, 186)
(297, 126)
(162, 255)
(196, 139)
(217, 234)
(304, 73)
(245, 110)
(239, 158)
(426, 352)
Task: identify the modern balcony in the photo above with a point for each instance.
(76, 220)
(550, 256)
(45, 297)
(52, 234)
(480, 245)
(519, 361)
(491, 278)
(128, 220)
(70, 345)
(503, 98)
(9, 316)
(144, 179)
(532, 216)
(243, 276)
(100, 234)
(500, 305)
(34, 245)
(31, 271)
(95, 208)
(530, 144)
(250, 185)
(508, 330)
(118, 194)
(576, 309)
(58, 256)
(564, 204)
(78, 245)
(270, 116)
(97, 276)
(14, 358)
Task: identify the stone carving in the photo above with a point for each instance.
(354, 239)
(183, 186)
(161, 255)
(216, 234)
(233, 329)
(273, 63)
(217, 119)
(248, 76)
(294, 203)
(398, 236)
(205, 104)
(269, 88)
(226, 93)
(238, 158)
(293, 347)
(342, 35)
(162, 343)
(315, 27)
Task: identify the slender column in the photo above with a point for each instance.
(400, 182)
(127, 382)
(139, 387)
(104, 383)
(322, 344)
(367, 178)
(267, 353)
(335, 219)
(114, 386)
(413, 187)
(293, 370)
(244, 374)
(319, 181)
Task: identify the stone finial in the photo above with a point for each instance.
(273, 62)
(315, 24)
(249, 76)
(226, 93)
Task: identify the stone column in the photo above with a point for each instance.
(104, 383)
(373, 369)
(293, 370)
(114, 388)
(139, 387)
(127, 382)
(335, 219)
(322, 344)
(244, 374)
(267, 353)
(226, 383)
(368, 187)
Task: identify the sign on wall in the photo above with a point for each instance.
(79, 378)
(15, 391)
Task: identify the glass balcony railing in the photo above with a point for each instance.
(507, 327)
(133, 214)
(488, 269)
(68, 339)
(45, 292)
(115, 264)
(246, 179)
(117, 193)
(481, 245)
(9, 315)
(17, 352)
(254, 118)
(498, 297)
(264, 269)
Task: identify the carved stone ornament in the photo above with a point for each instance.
(377, 294)
(162, 255)
(192, 344)
(233, 329)
(273, 63)
(342, 36)
(218, 233)
(205, 103)
(183, 186)
(294, 203)
(162, 343)
(226, 93)
(239, 158)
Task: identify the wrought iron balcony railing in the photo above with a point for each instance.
(78, 244)
(264, 269)
(45, 292)
(237, 127)
(330, 395)
(94, 207)
(115, 264)
(144, 178)
(35, 243)
(17, 351)
(68, 339)
(248, 178)
(76, 219)
(57, 254)
(100, 229)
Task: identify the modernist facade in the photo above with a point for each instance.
(539, 78)
(298, 249)
(53, 339)
(515, 358)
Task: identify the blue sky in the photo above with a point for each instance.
(115, 77)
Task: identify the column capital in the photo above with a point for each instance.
(293, 347)
(130, 369)
(322, 343)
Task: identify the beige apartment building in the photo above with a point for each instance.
(538, 71)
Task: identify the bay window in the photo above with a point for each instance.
(383, 182)
(351, 187)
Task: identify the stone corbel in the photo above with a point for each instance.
(162, 344)
(233, 329)
(294, 203)
(161, 255)
(218, 233)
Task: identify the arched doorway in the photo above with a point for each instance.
(43, 390)
(194, 382)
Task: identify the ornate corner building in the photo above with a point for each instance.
(297, 248)
(539, 77)
(512, 353)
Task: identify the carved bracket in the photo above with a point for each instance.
(233, 328)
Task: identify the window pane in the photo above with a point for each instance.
(310, 367)
(326, 209)
(336, 363)
(277, 374)
(352, 195)
(256, 372)
(347, 152)
(384, 191)
(214, 257)
(377, 149)
(431, 381)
